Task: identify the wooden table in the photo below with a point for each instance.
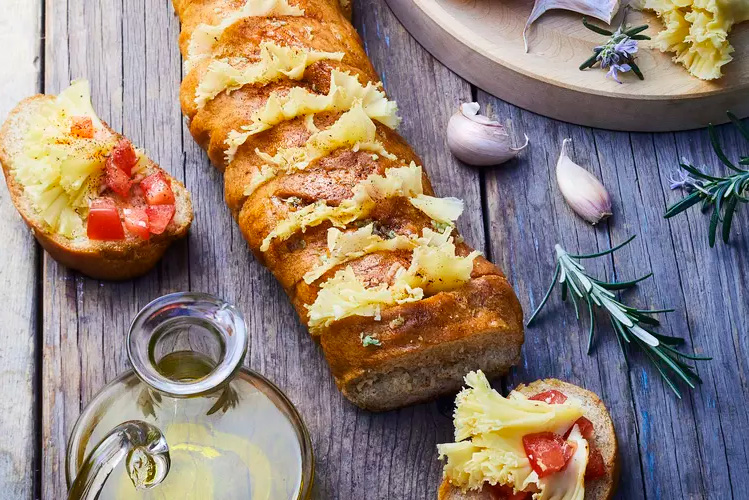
(63, 334)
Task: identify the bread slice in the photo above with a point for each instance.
(602, 488)
(111, 260)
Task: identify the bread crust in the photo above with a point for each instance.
(476, 326)
(605, 440)
(106, 260)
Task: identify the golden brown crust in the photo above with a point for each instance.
(108, 260)
(479, 325)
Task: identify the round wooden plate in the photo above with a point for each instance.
(482, 41)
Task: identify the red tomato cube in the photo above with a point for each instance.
(117, 180)
(157, 190)
(136, 222)
(123, 157)
(552, 397)
(586, 428)
(104, 221)
(547, 452)
(83, 127)
(596, 468)
(159, 217)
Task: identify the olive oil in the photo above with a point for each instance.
(235, 443)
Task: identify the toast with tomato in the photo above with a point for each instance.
(545, 440)
(93, 201)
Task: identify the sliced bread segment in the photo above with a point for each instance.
(114, 259)
(604, 440)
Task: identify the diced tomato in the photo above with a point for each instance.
(117, 180)
(136, 222)
(123, 157)
(104, 221)
(552, 397)
(586, 428)
(596, 468)
(83, 127)
(547, 452)
(501, 492)
(157, 190)
(159, 217)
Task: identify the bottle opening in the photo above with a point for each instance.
(186, 348)
(187, 344)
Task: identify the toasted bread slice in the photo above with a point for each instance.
(112, 260)
(604, 439)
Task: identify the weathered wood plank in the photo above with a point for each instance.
(18, 273)
(670, 448)
(358, 454)
(713, 286)
(527, 217)
(122, 48)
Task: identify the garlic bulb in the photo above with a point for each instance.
(477, 140)
(604, 10)
(583, 192)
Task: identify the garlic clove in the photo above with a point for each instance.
(583, 192)
(603, 10)
(478, 140)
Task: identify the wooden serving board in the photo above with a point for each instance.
(482, 41)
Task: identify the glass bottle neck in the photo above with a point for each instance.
(187, 344)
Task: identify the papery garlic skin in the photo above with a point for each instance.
(582, 191)
(603, 10)
(477, 140)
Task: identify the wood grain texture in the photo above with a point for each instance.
(670, 448)
(133, 75)
(695, 448)
(482, 41)
(18, 273)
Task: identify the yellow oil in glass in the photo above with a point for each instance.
(232, 444)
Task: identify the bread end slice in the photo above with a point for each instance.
(426, 347)
(604, 437)
(109, 260)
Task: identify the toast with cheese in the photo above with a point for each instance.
(283, 98)
(492, 458)
(92, 200)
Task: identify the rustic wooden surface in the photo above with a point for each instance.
(63, 336)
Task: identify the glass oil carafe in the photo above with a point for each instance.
(189, 422)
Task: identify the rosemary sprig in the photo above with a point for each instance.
(719, 195)
(618, 53)
(633, 326)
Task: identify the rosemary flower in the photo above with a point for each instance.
(618, 53)
(682, 180)
(718, 196)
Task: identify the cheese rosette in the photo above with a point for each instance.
(275, 62)
(61, 171)
(205, 36)
(353, 129)
(434, 267)
(696, 31)
(345, 91)
(489, 445)
(399, 181)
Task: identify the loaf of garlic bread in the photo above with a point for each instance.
(283, 98)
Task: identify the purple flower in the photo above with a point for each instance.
(627, 47)
(616, 69)
(682, 180)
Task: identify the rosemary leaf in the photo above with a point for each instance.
(631, 325)
(719, 196)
